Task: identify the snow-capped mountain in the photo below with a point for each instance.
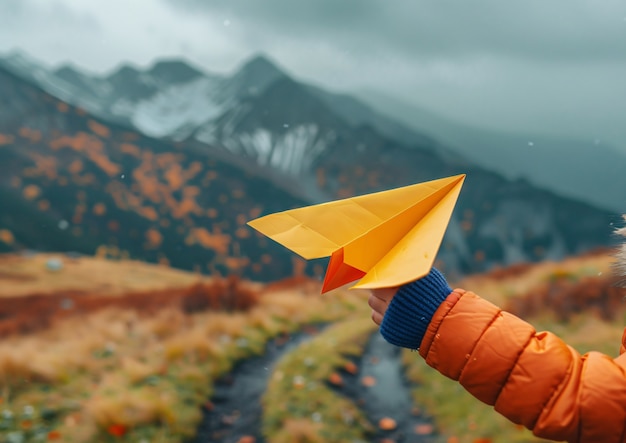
(316, 145)
(259, 111)
(175, 100)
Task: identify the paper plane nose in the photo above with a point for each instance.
(338, 273)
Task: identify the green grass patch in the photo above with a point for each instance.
(299, 404)
(148, 382)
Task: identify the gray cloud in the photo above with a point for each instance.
(553, 67)
(555, 30)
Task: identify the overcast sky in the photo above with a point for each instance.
(551, 66)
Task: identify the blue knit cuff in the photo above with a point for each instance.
(412, 309)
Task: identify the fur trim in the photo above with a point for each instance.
(621, 254)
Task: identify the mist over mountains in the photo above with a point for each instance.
(169, 162)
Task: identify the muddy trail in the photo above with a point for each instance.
(380, 389)
(234, 413)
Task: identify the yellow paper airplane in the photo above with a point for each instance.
(385, 239)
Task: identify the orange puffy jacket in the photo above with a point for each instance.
(532, 378)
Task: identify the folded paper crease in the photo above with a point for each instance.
(385, 239)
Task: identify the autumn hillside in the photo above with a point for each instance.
(117, 350)
(71, 182)
(40, 290)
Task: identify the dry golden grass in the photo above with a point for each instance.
(25, 275)
(299, 431)
(143, 371)
(498, 286)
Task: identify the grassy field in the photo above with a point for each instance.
(36, 274)
(138, 374)
(141, 368)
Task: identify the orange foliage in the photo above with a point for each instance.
(218, 242)
(6, 237)
(6, 139)
(514, 270)
(99, 209)
(194, 169)
(255, 212)
(117, 430)
(241, 219)
(62, 107)
(565, 295)
(191, 192)
(163, 260)
(31, 192)
(184, 208)
(211, 213)
(30, 134)
(99, 129)
(43, 205)
(91, 146)
(87, 179)
(154, 238)
(76, 166)
(167, 159)
(44, 166)
(242, 232)
(130, 149)
(174, 177)
(387, 424)
(236, 263)
(299, 266)
(227, 294)
(148, 212)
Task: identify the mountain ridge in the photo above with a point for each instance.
(497, 221)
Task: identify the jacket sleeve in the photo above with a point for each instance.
(532, 378)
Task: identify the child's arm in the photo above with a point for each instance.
(533, 379)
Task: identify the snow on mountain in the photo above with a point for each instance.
(172, 108)
(292, 152)
(31, 69)
(261, 114)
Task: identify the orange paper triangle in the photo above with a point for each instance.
(339, 273)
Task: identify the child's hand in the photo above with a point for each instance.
(404, 313)
(379, 301)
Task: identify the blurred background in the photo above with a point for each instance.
(138, 138)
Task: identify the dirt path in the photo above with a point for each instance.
(382, 392)
(235, 409)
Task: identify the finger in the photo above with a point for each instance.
(385, 294)
(377, 317)
(377, 304)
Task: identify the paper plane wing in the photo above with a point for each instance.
(386, 238)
